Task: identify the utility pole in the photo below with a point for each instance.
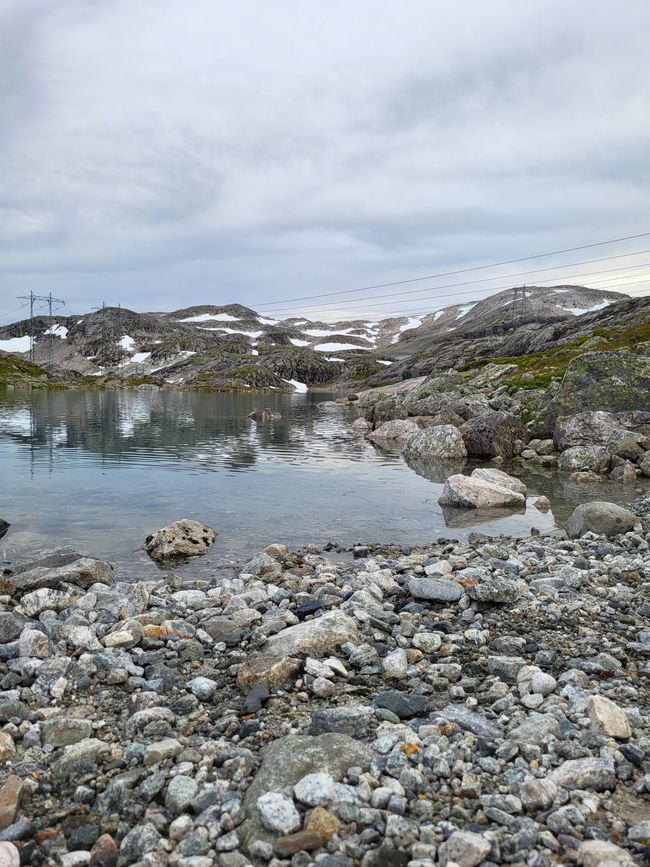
(51, 302)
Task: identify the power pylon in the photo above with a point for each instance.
(52, 302)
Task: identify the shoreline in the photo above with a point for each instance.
(473, 701)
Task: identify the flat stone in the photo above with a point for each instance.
(607, 718)
(472, 493)
(64, 731)
(403, 705)
(589, 773)
(498, 477)
(82, 573)
(434, 589)
(302, 841)
(471, 722)
(314, 636)
(594, 852)
(352, 721)
(161, 750)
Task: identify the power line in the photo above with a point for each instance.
(352, 303)
(34, 300)
(458, 271)
(352, 307)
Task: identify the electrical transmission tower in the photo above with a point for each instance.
(51, 302)
(518, 304)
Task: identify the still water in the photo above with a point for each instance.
(102, 469)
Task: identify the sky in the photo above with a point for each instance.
(159, 154)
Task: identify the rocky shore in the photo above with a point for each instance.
(466, 703)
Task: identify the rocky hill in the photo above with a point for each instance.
(233, 347)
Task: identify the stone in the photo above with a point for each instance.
(607, 718)
(80, 760)
(496, 590)
(34, 603)
(605, 519)
(315, 789)
(274, 671)
(395, 664)
(465, 849)
(498, 477)
(536, 794)
(542, 504)
(7, 746)
(302, 841)
(64, 731)
(395, 433)
(506, 667)
(11, 794)
(179, 541)
(427, 642)
(322, 822)
(181, 791)
(494, 434)
(202, 687)
(472, 493)
(402, 704)
(9, 854)
(443, 443)
(593, 459)
(610, 381)
(535, 728)
(640, 833)
(352, 721)
(592, 853)
(434, 589)
(584, 429)
(161, 750)
(589, 773)
(11, 625)
(278, 813)
(138, 842)
(314, 636)
(104, 852)
(83, 573)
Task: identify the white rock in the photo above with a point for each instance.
(470, 493)
(395, 664)
(317, 790)
(465, 849)
(278, 813)
(608, 718)
(498, 477)
(9, 856)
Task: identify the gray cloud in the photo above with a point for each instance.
(161, 154)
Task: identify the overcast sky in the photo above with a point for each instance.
(161, 153)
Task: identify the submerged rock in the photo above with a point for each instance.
(265, 414)
(179, 541)
(474, 493)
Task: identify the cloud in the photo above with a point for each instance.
(161, 154)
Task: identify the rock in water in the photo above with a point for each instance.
(494, 434)
(396, 433)
(442, 442)
(498, 477)
(605, 519)
(180, 540)
(265, 414)
(472, 493)
(582, 458)
(4, 526)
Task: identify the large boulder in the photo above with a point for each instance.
(498, 477)
(605, 519)
(395, 433)
(472, 493)
(612, 381)
(584, 429)
(494, 434)
(4, 526)
(83, 572)
(439, 443)
(582, 458)
(179, 541)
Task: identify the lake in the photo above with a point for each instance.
(102, 469)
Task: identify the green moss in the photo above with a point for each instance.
(15, 371)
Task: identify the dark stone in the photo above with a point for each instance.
(255, 699)
(351, 721)
(82, 837)
(633, 754)
(493, 435)
(4, 526)
(403, 705)
(306, 608)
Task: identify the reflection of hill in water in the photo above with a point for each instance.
(212, 430)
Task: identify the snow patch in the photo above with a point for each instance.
(578, 311)
(224, 330)
(127, 343)
(299, 387)
(57, 331)
(15, 344)
(438, 314)
(266, 321)
(297, 342)
(464, 310)
(380, 361)
(211, 317)
(338, 347)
